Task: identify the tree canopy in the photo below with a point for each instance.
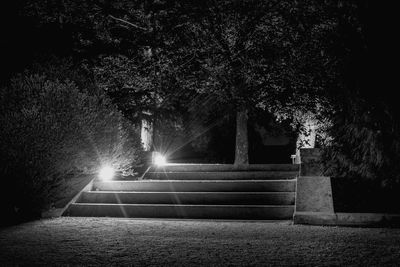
(189, 57)
(242, 55)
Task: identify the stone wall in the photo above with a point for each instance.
(315, 199)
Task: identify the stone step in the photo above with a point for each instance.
(197, 186)
(192, 198)
(232, 175)
(224, 167)
(248, 212)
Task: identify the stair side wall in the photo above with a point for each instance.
(87, 188)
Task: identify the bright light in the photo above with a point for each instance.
(106, 173)
(159, 160)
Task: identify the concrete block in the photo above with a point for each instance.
(314, 206)
(315, 218)
(310, 162)
(314, 194)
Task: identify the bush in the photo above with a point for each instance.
(365, 142)
(51, 129)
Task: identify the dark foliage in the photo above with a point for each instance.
(360, 195)
(365, 124)
(51, 129)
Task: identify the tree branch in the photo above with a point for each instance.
(129, 23)
(188, 61)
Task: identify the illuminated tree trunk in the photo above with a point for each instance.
(242, 142)
(147, 135)
(147, 131)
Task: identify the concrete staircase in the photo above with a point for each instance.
(205, 191)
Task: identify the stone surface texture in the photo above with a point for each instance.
(314, 194)
(310, 162)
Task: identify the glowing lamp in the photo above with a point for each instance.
(106, 173)
(159, 159)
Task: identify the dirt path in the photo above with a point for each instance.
(108, 241)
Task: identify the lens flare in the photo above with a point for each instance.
(106, 173)
(160, 160)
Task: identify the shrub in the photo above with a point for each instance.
(365, 142)
(51, 129)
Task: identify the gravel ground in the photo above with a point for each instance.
(110, 241)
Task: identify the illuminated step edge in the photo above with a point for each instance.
(203, 198)
(197, 186)
(224, 167)
(249, 175)
(247, 212)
